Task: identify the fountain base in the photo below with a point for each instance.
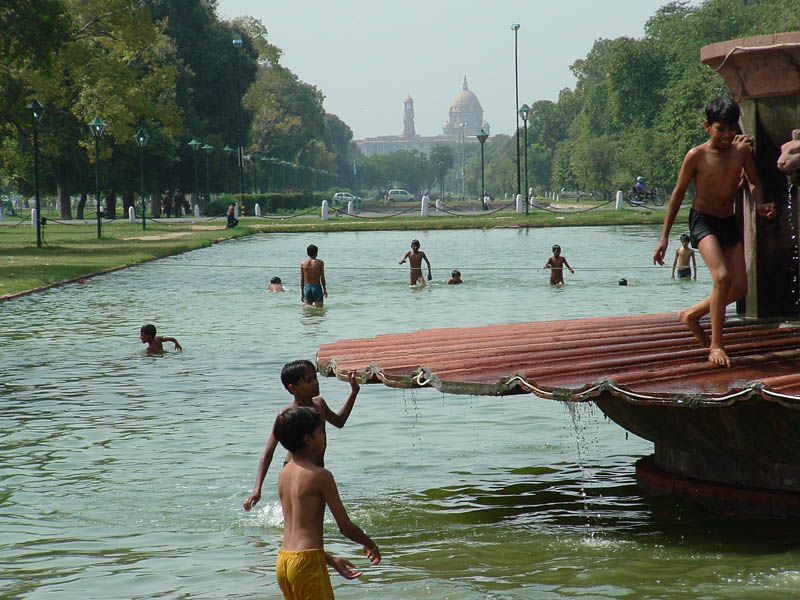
(715, 496)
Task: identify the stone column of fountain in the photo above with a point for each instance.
(763, 76)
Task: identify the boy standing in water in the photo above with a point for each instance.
(312, 279)
(155, 344)
(415, 257)
(683, 255)
(300, 380)
(305, 488)
(556, 264)
(716, 168)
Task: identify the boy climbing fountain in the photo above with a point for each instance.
(716, 168)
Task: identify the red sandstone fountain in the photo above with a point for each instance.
(725, 437)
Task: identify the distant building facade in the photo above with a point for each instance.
(464, 122)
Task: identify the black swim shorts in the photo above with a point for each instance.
(725, 229)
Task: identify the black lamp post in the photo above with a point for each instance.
(228, 150)
(37, 109)
(482, 139)
(515, 29)
(237, 45)
(253, 160)
(265, 160)
(141, 137)
(524, 111)
(97, 126)
(195, 145)
(207, 150)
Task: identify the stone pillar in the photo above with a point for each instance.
(258, 209)
(350, 207)
(131, 214)
(620, 197)
(324, 212)
(423, 208)
(520, 206)
(197, 211)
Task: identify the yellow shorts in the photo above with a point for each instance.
(303, 575)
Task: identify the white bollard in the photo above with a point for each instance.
(423, 209)
(520, 206)
(131, 214)
(324, 214)
(619, 200)
(438, 205)
(197, 211)
(34, 217)
(350, 207)
(258, 209)
(532, 201)
(236, 212)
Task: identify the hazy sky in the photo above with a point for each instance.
(366, 56)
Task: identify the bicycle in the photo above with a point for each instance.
(654, 195)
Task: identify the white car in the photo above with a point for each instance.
(344, 197)
(400, 196)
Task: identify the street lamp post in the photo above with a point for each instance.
(97, 126)
(195, 145)
(253, 160)
(207, 150)
(461, 140)
(524, 112)
(265, 160)
(482, 139)
(37, 109)
(515, 29)
(237, 44)
(141, 138)
(228, 150)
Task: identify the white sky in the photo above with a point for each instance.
(366, 56)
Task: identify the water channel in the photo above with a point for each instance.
(122, 475)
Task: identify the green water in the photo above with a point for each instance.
(122, 476)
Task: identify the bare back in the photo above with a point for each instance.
(303, 505)
(313, 269)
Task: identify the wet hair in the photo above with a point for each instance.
(556, 247)
(685, 237)
(312, 250)
(292, 372)
(456, 273)
(292, 425)
(149, 329)
(415, 242)
(722, 110)
(275, 280)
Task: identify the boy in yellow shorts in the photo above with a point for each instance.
(304, 489)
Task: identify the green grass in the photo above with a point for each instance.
(73, 251)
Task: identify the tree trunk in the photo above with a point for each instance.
(155, 205)
(111, 205)
(62, 190)
(81, 205)
(127, 202)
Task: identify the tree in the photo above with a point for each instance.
(441, 159)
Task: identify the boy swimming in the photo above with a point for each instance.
(155, 344)
(716, 168)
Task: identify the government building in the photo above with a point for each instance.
(464, 122)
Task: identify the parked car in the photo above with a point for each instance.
(400, 196)
(344, 197)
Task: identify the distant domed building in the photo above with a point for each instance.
(464, 122)
(466, 110)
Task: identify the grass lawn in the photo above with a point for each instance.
(73, 251)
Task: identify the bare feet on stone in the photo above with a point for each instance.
(694, 326)
(718, 356)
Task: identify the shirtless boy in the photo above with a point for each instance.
(455, 278)
(415, 257)
(716, 168)
(556, 264)
(155, 344)
(299, 377)
(312, 278)
(305, 488)
(683, 256)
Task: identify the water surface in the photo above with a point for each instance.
(123, 475)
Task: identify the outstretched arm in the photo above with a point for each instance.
(405, 256)
(322, 281)
(346, 526)
(343, 566)
(694, 264)
(263, 465)
(676, 199)
(340, 418)
(302, 284)
(571, 270)
(174, 341)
